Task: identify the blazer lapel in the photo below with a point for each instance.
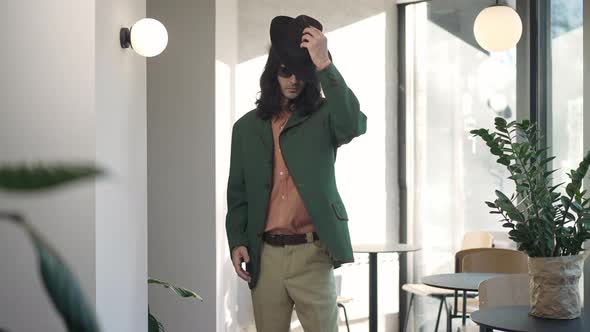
(264, 128)
(264, 131)
(295, 120)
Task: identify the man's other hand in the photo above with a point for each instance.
(239, 255)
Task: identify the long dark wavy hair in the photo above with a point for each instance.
(269, 102)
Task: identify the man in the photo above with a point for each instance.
(285, 217)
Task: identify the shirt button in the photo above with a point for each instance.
(284, 197)
(281, 173)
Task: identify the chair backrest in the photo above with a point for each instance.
(507, 290)
(495, 260)
(478, 239)
(462, 253)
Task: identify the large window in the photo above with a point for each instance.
(566, 85)
(451, 86)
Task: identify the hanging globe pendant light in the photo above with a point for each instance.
(497, 28)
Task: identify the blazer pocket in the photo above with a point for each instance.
(339, 211)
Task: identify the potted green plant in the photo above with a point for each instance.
(546, 224)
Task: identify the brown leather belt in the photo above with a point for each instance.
(281, 240)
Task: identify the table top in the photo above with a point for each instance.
(517, 319)
(384, 248)
(459, 281)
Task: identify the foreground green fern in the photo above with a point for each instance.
(60, 283)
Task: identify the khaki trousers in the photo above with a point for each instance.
(301, 276)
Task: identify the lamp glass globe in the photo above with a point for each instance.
(497, 28)
(149, 37)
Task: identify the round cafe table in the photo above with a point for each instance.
(517, 319)
(463, 281)
(373, 250)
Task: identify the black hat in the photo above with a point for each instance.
(285, 36)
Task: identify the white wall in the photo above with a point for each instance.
(68, 92)
(121, 198)
(47, 112)
(181, 164)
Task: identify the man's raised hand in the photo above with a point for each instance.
(317, 45)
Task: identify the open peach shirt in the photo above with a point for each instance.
(286, 212)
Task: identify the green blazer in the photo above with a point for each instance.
(308, 144)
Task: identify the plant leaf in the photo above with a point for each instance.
(570, 216)
(556, 186)
(501, 195)
(546, 160)
(61, 285)
(576, 207)
(183, 292)
(503, 161)
(153, 324)
(490, 205)
(517, 177)
(546, 174)
(41, 177)
(500, 123)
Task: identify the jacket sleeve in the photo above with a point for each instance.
(236, 220)
(346, 119)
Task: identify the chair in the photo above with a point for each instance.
(471, 240)
(487, 260)
(459, 255)
(340, 301)
(478, 239)
(496, 260)
(502, 291)
(505, 290)
(458, 301)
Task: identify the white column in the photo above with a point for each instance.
(121, 197)
(181, 164)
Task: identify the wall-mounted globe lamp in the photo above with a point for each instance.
(147, 37)
(497, 28)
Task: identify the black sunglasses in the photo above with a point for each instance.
(285, 72)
